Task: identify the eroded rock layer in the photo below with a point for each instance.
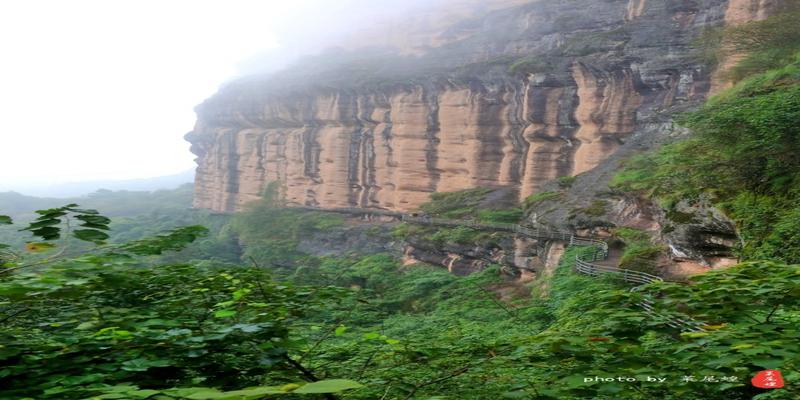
(515, 97)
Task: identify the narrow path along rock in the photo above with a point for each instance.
(587, 264)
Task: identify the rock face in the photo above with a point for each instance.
(741, 12)
(513, 96)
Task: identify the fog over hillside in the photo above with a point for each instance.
(75, 189)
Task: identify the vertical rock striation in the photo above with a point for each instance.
(739, 12)
(515, 96)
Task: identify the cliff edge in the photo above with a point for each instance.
(512, 96)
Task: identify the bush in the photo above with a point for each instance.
(768, 44)
(402, 231)
(455, 204)
(783, 243)
(537, 198)
(270, 234)
(532, 65)
(640, 253)
(755, 139)
(460, 235)
(596, 209)
(566, 181)
(744, 157)
(510, 216)
(631, 234)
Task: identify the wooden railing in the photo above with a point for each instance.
(585, 263)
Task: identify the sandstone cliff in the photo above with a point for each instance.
(515, 96)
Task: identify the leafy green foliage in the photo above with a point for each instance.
(116, 325)
(640, 252)
(468, 204)
(271, 234)
(461, 235)
(133, 215)
(566, 181)
(508, 216)
(745, 157)
(597, 208)
(417, 331)
(755, 137)
(82, 326)
(767, 44)
(599, 331)
(175, 240)
(328, 386)
(537, 198)
(532, 65)
(48, 225)
(455, 204)
(402, 231)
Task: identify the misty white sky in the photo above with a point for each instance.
(104, 89)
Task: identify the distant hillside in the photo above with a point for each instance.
(122, 203)
(74, 189)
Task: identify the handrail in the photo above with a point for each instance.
(584, 264)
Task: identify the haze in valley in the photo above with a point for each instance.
(97, 91)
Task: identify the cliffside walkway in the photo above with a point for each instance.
(585, 264)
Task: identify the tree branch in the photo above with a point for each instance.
(306, 374)
(772, 312)
(451, 375)
(14, 314)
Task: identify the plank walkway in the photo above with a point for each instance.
(585, 264)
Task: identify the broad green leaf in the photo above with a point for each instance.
(224, 313)
(39, 247)
(81, 210)
(251, 393)
(202, 393)
(5, 220)
(120, 388)
(90, 235)
(328, 386)
(694, 334)
(47, 232)
(240, 293)
(142, 364)
(174, 240)
(51, 213)
(371, 335)
(94, 220)
(142, 394)
(247, 328)
(86, 325)
(768, 363)
(42, 223)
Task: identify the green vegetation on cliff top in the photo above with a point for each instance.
(744, 157)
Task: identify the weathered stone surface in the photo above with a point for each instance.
(740, 12)
(698, 231)
(378, 128)
(513, 254)
(355, 237)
